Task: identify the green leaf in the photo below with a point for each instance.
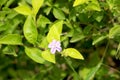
(30, 30)
(84, 72)
(78, 2)
(93, 71)
(98, 16)
(2, 2)
(34, 54)
(47, 10)
(23, 9)
(48, 56)
(36, 5)
(55, 31)
(9, 50)
(42, 21)
(111, 3)
(93, 5)
(77, 37)
(98, 39)
(73, 53)
(44, 43)
(58, 14)
(114, 31)
(87, 30)
(12, 39)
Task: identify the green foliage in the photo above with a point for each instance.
(48, 56)
(72, 53)
(78, 2)
(36, 4)
(9, 50)
(34, 54)
(30, 30)
(23, 9)
(88, 32)
(55, 31)
(58, 13)
(99, 39)
(11, 39)
(92, 71)
(114, 32)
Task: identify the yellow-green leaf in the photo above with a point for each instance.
(43, 43)
(48, 56)
(55, 31)
(73, 53)
(34, 54)
(36, 5)
(78, 2)
(12, 39)
(23, 9)
(30, 30)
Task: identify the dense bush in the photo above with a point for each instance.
(59, 39)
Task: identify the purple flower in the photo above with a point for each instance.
(55, 46)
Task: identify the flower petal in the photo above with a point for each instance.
(59, 49)
(54, 42)
(51, 45)
(55, 46)
(53, 50)
(58, 43)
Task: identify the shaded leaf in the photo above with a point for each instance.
(93, 71)
(100, 38)
(114, 31)
(98, 16)
(117, 53)
(87, 30)
(9, 50)
(111, 3)
(47, 10)
(34, 54)
(44, 43)
(84, 73)
(58, 13)
(93, 5)
(42, 21)
(30, 30)
(48, 56)
(77, 37)
(73, 53)
(12, 39)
